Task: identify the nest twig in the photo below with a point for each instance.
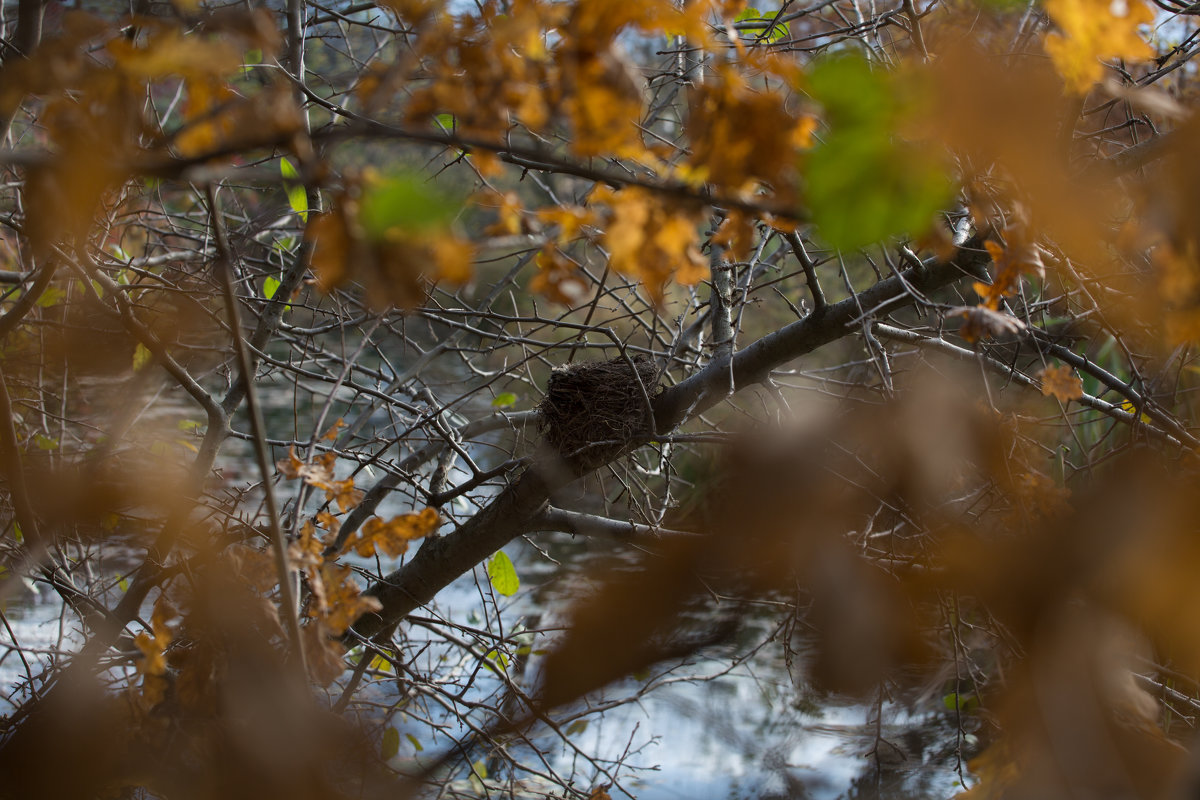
(592, 411)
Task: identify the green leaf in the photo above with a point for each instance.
(862, 183)
(772, 34)
(404, 202)
(504, 400)
(271, 285)
(381, 664)
(778, 31)
(253, 57)
(502, 574)
(123, 584)
(850, 90)
(189, 425)
(297, 196)
(45, 442)
(98, 288)
(445, 120)
(391, 743)
(51, 297)
(141, 357)
(18, 534)
(578, 726)
(416, 743)
(497, 661)
(964, 703)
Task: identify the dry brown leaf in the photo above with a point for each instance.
(1061, 382)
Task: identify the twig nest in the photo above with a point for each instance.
(594, 410)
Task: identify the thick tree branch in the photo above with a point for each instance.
(517, 509)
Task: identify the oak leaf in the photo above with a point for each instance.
(743, 137)
(558, 278)
(323, 654)
(339, 601)
(652, 240)
(735, 234)
(391, 537)
(306, 551)
(1061, 382)
(982, 322)
(1092, 30)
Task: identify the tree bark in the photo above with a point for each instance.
(515, 511)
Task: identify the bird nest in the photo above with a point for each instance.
(593, 411)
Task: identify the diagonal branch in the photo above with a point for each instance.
(518, 509)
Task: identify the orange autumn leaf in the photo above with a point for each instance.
(322, 653)
(1093, 30)
(653, 240)
(330, 236)
(161, 620)
(391, 537)
(736, 234)
(1061, 382)
(508, 213)
(344, 494)
(306, 551)
(604, 103)
(319, 474)
(558, 278)
(1017, 257)
(743, 136)
(254, 568)
(289, 467)
(488, 70)
(570, 221)
(153, 661)
(331, 435)
(153, 645)
(339, 601)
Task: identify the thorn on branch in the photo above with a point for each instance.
(810, 273)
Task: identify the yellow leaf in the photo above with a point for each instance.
(653, 241)
(1092, 30)
(141, 357)
(1132, 409)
